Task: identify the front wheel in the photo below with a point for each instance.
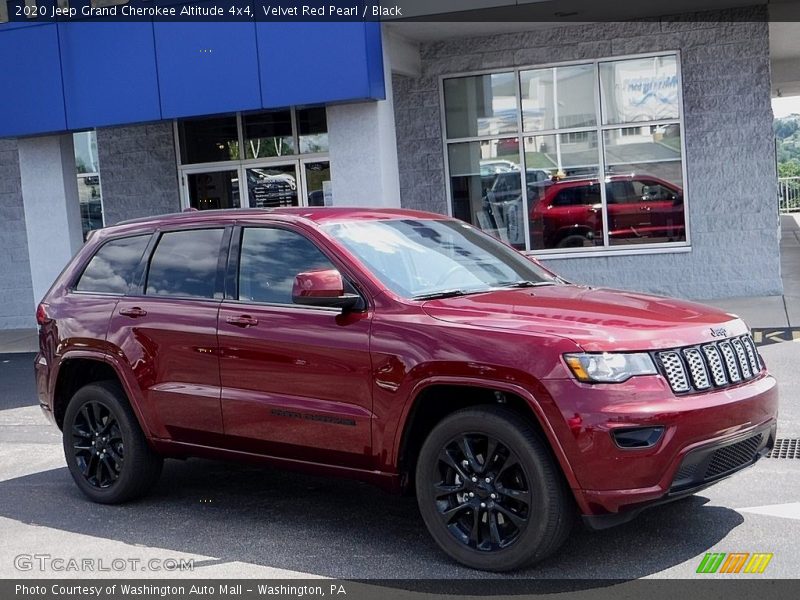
(106, 451)
(490, 492)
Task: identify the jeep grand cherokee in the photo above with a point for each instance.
(403, 348)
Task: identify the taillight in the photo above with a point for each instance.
(41, 314)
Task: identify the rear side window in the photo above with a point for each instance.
(113, 267)
(185, 264)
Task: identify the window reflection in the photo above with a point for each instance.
(481, 105)
(213, 190)
(209, 139)
(271, 259)
(268, 134)
(312, 129)
(486, 185)
(558, 97)
(590, 179)
(87, 167)
(318, 177)
(642, 89)
(185, 264)
(111, 270)
(272, 186)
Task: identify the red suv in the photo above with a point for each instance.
(568, 213)
(402, 348)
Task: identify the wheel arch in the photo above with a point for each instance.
(423, 413)
(78, 369)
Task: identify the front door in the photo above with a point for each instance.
(296, 380)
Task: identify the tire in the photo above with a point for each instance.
(99, 416)
(572, 241)
(531, 513)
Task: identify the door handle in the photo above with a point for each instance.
(134, 312)
(242, 321)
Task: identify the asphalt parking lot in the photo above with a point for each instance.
(243, 521)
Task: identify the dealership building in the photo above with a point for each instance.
(635, 153)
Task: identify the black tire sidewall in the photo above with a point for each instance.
(106, 395)
(533, 542)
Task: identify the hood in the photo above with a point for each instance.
(596, 319)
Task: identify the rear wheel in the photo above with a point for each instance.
(573, 241)
(106, 451)
(490, 492)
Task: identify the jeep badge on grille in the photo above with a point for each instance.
(719, 332)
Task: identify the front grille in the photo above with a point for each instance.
(708, 464)
(713, 365)
(733, 457)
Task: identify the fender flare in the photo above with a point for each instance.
(502, 386)
(125, 377)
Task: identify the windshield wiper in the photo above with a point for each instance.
(444, 294)
(526, 284)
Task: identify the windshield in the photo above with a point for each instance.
(421, 259)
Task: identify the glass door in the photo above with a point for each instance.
(208, 190)
(316, 181)
(273, 185)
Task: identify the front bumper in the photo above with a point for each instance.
(699, 469)
(700, 431)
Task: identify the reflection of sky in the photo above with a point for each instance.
(85, 152)
(417, 257)
(111, 269)
(270, 261)
(185, 264)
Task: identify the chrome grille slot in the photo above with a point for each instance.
(730, 361)
(674, 371)
(710, 366)
(744, 364)
(697, 368)
(752, 354)
(715, 364)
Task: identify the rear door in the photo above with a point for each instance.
(296, 380)
(167, 333)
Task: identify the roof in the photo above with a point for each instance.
(315, 214)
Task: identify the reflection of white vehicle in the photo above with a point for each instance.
(263, 177)
(494, 166)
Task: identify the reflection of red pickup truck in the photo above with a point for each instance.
(568, 212)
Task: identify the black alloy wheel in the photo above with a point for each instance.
(481, 491)
(490, 491)
(106, 451)
(98, 445)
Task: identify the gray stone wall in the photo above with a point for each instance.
(17, 309)
(138, 171)
(730, 155)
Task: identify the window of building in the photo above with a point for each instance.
(90, 194)
(112, 268)
(184, 263)
(259, 159)
(527, 150)
(269, 261)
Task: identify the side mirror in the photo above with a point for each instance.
(323, 288)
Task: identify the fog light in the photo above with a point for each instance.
(640, 437)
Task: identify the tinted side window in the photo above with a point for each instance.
(111, 270)
(270, 259)
(185, 264)
(578, 196)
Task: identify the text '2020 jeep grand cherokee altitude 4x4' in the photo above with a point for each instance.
(402, 348)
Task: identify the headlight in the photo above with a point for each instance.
(609, 367)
